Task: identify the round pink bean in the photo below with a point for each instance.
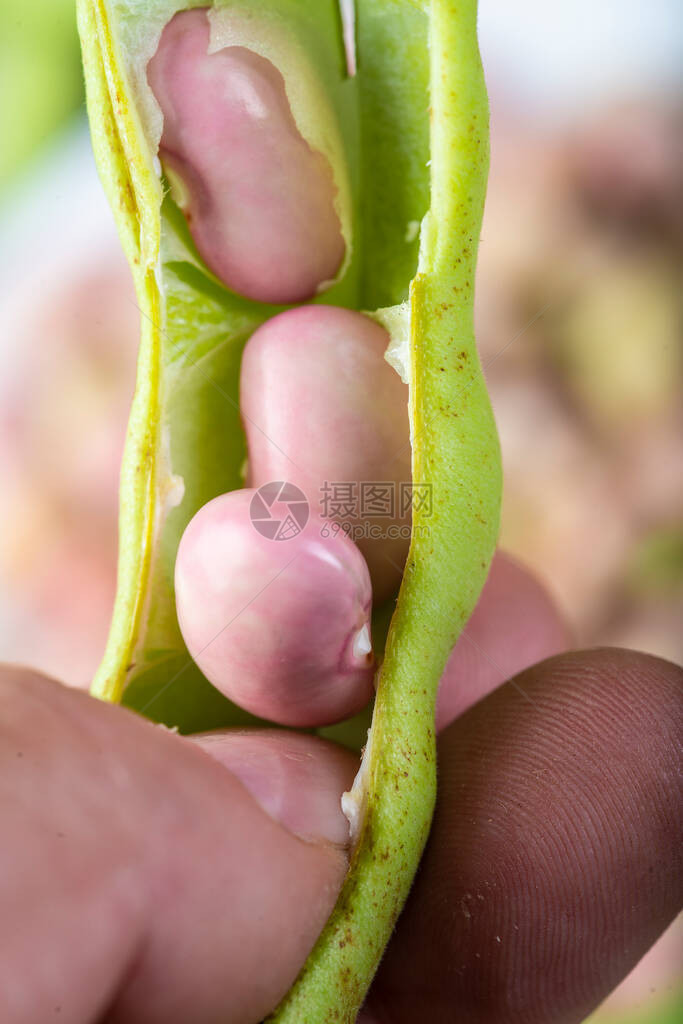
(281, 627)
(258, 200)
(321, 405)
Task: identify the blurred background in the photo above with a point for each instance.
(579, 318)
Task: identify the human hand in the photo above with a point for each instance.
(142, 881)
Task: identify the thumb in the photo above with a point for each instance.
(140, 880)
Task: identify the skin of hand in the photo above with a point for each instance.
(142, 880)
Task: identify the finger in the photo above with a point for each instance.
(140, 880)
(296, 778)
(556, 852)
(514, 625)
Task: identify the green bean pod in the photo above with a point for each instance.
(406, 136)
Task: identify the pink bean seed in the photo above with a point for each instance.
(258, 200)
(281, 627)
(321, 405)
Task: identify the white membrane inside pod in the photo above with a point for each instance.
(396, 321)
(139, 24)
(347, 10)
(355, 801)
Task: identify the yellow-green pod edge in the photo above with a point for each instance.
(454, 441)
